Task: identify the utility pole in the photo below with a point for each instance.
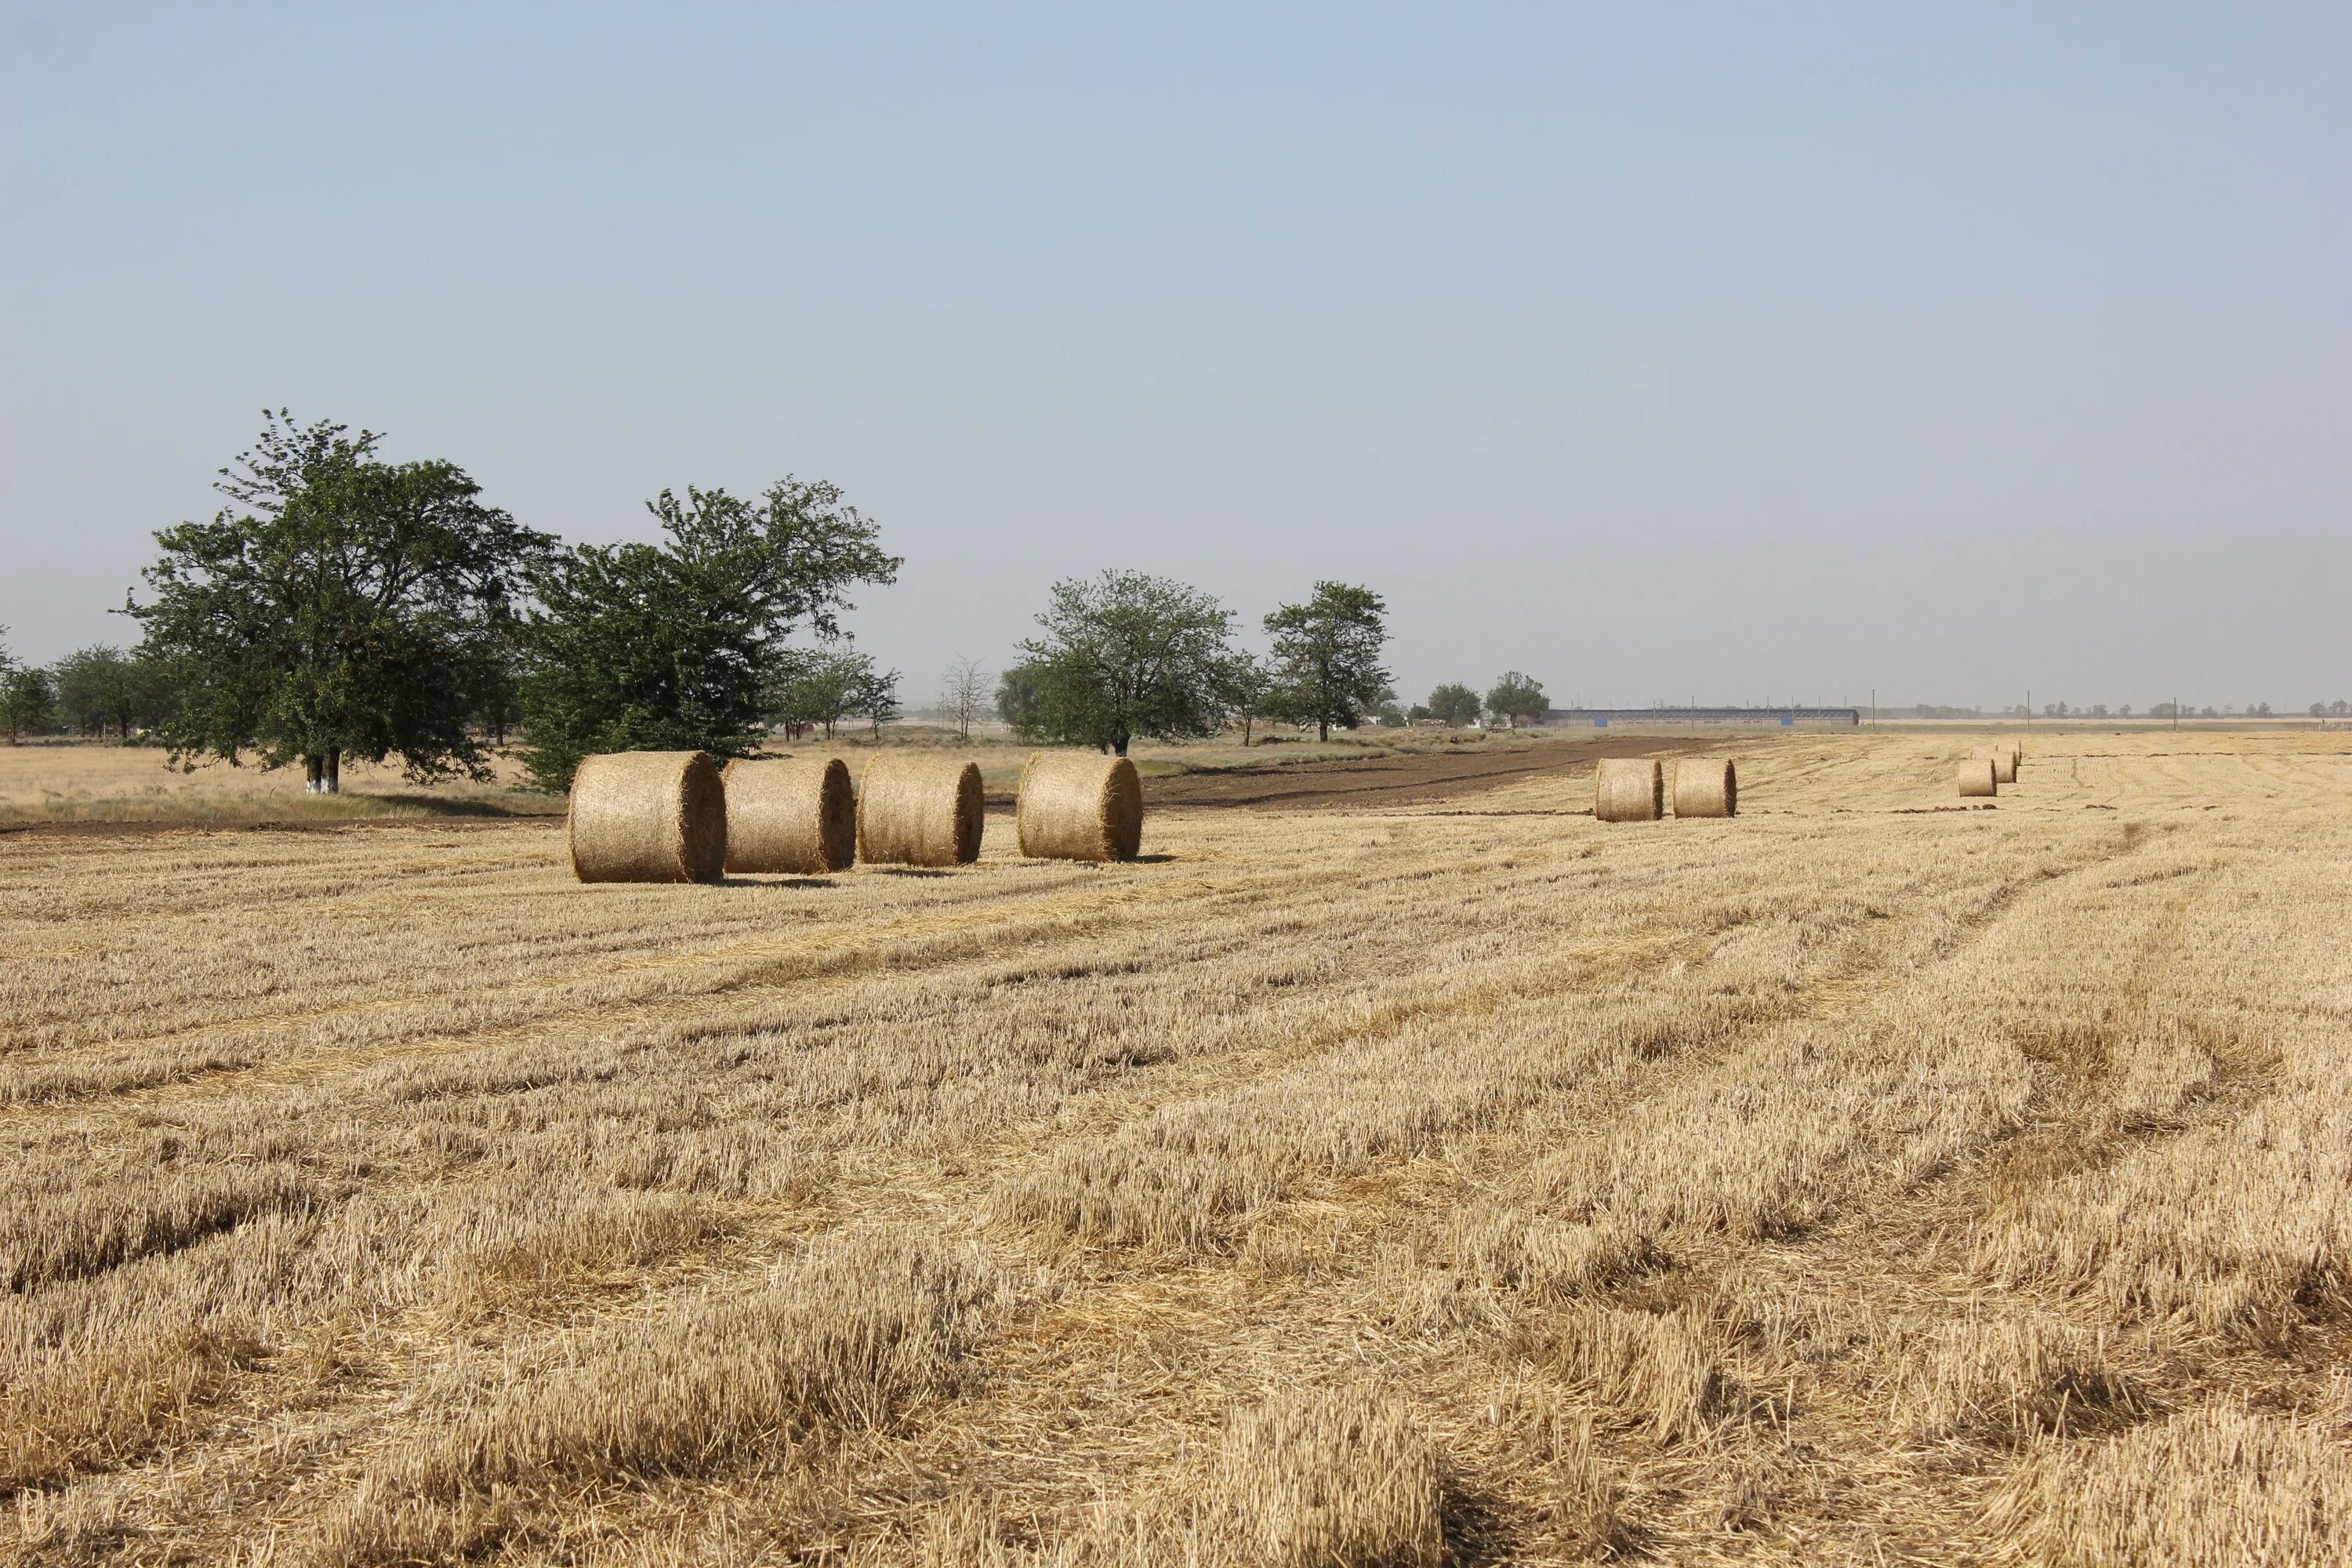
(1873, 705)
(2028, 708)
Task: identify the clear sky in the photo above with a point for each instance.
(1733, 353)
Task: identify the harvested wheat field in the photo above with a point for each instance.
(1873, 1177)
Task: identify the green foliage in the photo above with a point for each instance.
(341, 605)
(1245, 686)
(875, 697)
(27, 703)
(1455, 704)
(1128, 654)
(1518, 699)
(1327, 656)
(101, 687)
(821, 686)
(1327, 668)
(1017, 698)
(676, 646)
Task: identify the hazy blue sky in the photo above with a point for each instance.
(1730, 352)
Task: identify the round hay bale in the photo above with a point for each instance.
(1978, 777)
(2004, 763)
(795, 815)
(919, 808)
(1079, 805)
(1707, 786)
(648, 816)
(1629, 789)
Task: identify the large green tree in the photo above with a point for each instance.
(1126, 654)
(1519, 699)
(1327, 656)
(340, 605)
(1454, 704)
(677, 646)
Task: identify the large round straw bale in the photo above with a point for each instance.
(1978, 777)
(648, 816)
(919, 808)
(1705, 786)
(1629, 789)
(793, 814)
(1080, 805)
(2004, 761)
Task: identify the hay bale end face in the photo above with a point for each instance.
(1080, 805)
(919, 808)
(1707, 786)
(793, 815)
(1629, 789)
(648, 816)
(1977, 777)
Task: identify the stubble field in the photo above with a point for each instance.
(1460, 1180)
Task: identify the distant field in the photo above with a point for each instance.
(55, 782)
(1441, 1177)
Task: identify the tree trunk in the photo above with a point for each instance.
(1118, 747)
(1247, 719)
(314, 766)
(334, 783)
(1322, 727)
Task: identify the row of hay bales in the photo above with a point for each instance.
(676, 817)
(1633, 789)
(1982, 774)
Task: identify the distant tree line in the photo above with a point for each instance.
(341, 605)
(1127, 656)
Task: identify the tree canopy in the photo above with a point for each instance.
(1245, 686)
(1326, 655)
(101, 685)
(1126, 654)
(674, 647)
(27, 699)
(1518, 699)
(1454, 704)
(823, 685)
(340, 604)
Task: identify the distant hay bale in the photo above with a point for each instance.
(919, 808)
(1978, 777)
(1629, 789)
(1707, 786)
(2004, 761)
(1079, 805)
(648, 816)
(795, 815)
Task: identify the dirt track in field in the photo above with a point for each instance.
(1396, 780)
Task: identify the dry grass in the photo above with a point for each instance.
(1862, 1180)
